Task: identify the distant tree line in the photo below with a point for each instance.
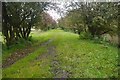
(46, 23)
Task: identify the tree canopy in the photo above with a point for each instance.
(19, 18)
(97, 18)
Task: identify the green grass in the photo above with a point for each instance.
(82, 58)
(27, 67)
(36, 39)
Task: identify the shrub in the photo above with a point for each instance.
(85, 35)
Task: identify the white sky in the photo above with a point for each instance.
(53, 14)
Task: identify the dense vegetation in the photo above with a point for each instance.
(92, 19)
(19, 18)
(88, 19)
(83, 42)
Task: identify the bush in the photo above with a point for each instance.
(85, 35)
(95, 39)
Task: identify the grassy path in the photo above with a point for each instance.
(63, 55)
(19, 54)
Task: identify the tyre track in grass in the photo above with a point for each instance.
(55, 65)
(50, 54)
(19, 54)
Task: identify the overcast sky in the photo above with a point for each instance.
(54, 14)
(61, 12)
